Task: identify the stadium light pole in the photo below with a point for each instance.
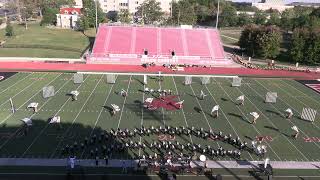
(217, 19)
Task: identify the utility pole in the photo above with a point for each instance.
(179, 17)
(171, 9)
(217, 19)
(96, 15)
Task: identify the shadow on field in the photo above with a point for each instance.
(274, 113)
(62, 140)
(272, 128)
(239, 117)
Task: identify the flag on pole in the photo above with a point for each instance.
(254, 114)
(215, 111)
(215, 108)
(27, 121)
(180, 102)
(289, 111)
(12, 107)
(55, 119)
(295, 128)
(202, 95)
(115, 107)
(240, 98)
(266, 162)
(145, 79)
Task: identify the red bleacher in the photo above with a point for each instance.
(126, 44)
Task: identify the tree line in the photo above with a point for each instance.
(297, 30)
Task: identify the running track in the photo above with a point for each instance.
(40, 66)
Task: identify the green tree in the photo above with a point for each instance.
(260, 18)
(316, 12)
(150, 12)
(269, 42)
(312, 48)
(82, 23)
(244, 19)
(248, 40)
(228, 17)
(296, 51)
(186, 13)
(286, 21)
(9, 29)
(49, 16)
(274, 19)
(261, 41)
(89, 11)
(125, 16)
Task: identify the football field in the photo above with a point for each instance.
(90, 115)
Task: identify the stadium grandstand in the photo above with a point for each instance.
(175, 45)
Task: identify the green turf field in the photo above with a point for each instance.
(89, 115)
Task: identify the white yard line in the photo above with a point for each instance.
(184, 115)
(124, 102)
(244, 116)
(21, 91)
(144, 86)
(43, 129)
(306, 95)
(15, 83)
(300, 100)
(204, 115)
(273, 123)
(3, 144)
(164, 122)
(162, 74)
(229, 122)
(101, 110)
(5, 119)
(73, 121)
(290, 107)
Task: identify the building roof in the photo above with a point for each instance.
(70, 10)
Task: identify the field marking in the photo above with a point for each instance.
(124, 102)
(140, 139)
(15, 83)
(21, 91)
(98, 118)
(3, 144)
(306, 95)
(203, 112)
(225, 116)
(184, 115)
(162, 74)
(271, 121)
(47, 125)
(5, 119)
(195, 96)
(84, 104)
(164, 122)
(292, 108)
